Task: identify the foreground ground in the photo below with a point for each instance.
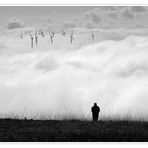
(72, 131)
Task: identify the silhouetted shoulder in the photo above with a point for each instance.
(98, 108)
(95, 109)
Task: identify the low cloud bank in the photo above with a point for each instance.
(15, 23)
(59, 83)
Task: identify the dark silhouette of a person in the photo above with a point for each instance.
(95, 112)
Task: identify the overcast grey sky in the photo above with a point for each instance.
(76, 16)
(34, 14)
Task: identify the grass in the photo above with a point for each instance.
(12, 130)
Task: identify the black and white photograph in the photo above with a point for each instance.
(73, 73)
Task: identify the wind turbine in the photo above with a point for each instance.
(71, 37)
(21, 35)
(92, 36)
(31, 39)
(51, 38)
(36, 37)
(53, 33)
(42, 33)
(63, 32)
(39, 33)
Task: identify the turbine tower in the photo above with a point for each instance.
(36, 37)
(51, 38)
(21, 35)
(39, 33)
(42, 33)
(71, 37)
(53, 33)
(31, 39)
(63, 32)
(93, 36)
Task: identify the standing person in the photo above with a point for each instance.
(95, 112)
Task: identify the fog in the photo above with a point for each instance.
(63, 80)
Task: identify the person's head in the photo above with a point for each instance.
(95, 104)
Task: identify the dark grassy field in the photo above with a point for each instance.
(72, 131)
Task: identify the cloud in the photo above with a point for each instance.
(93, 16)
(64, 80)
(52, 23)
(139, 9)
(49, 20)
(68, 25)
(48, 23)
(14, 23)
(111, 8)
(126, 13)
(113, 15)
(108, 17)
(90, 25)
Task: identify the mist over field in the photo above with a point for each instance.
(63, 80)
